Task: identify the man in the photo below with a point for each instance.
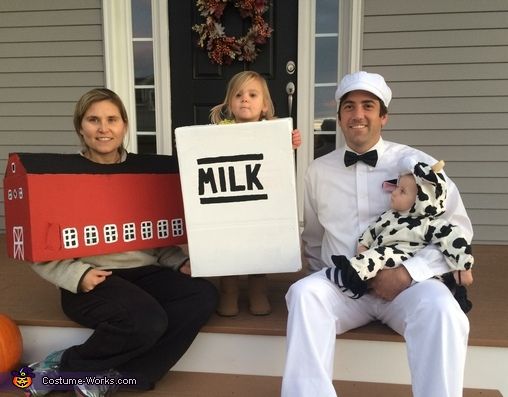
(343, 195)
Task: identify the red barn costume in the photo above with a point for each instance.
(61, 206)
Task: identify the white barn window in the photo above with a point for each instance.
(163, 229)
(177, 227)
(146, 230)
(70, 237)
(91, 235)
(110, 233)
(129, 232)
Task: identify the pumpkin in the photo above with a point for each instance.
(11, 344)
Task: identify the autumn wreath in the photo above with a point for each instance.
(223, 49)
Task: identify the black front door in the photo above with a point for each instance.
(197, 84)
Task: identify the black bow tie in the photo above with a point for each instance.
(369, 158)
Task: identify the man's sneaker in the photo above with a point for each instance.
(105, 385)
(45, 368)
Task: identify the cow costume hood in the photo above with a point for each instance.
(431, 184)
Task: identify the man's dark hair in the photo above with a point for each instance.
(382, 107)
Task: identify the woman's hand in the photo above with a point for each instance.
(93, 278)
(296, 138)
(185, 268)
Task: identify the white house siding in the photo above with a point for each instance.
(447, 63)
(51, 52)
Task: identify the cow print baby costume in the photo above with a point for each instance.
(397, 236)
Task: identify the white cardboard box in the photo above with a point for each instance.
(239, 193)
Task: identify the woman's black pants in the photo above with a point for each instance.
(144, 320)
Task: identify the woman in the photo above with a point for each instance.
(143, 306)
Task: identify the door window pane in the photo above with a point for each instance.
(326, 59)
(143, 62)
(145, 109)
(327, 12)
(141, 18)
(144, 76)
(147, 144)
(325, 106)
(324, 120)
(323, 144)
(325, 78)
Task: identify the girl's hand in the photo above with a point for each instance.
(93, 278)
(185, 268)
(296, 138)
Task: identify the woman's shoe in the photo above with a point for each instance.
(105, 385)
(46, 368)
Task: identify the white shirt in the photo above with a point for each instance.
(340, 203)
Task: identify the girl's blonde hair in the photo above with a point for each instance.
(223, 111)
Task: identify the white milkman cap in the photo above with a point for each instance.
(371, 82)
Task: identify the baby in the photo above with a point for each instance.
(413, 222)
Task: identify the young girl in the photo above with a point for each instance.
(247, 99)
(143, 306)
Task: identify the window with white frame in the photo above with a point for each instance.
(129, 232)
(177, 226)
(91, 235)
(136, 40)
(163, 229)
(146, 230)
(110, 233)
(144, 75)
(70, 237)
(326, 43)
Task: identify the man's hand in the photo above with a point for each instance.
(93, 278)
(388, 283)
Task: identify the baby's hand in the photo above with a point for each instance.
(296, 138)
(463, 277)
(361, 248)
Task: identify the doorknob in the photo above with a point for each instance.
(290, 90)
(290, 67)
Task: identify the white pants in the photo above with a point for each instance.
(427, 315)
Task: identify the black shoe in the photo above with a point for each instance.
(346, 278)
(334, 275)
(458, 291)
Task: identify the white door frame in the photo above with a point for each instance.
(118, 58)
